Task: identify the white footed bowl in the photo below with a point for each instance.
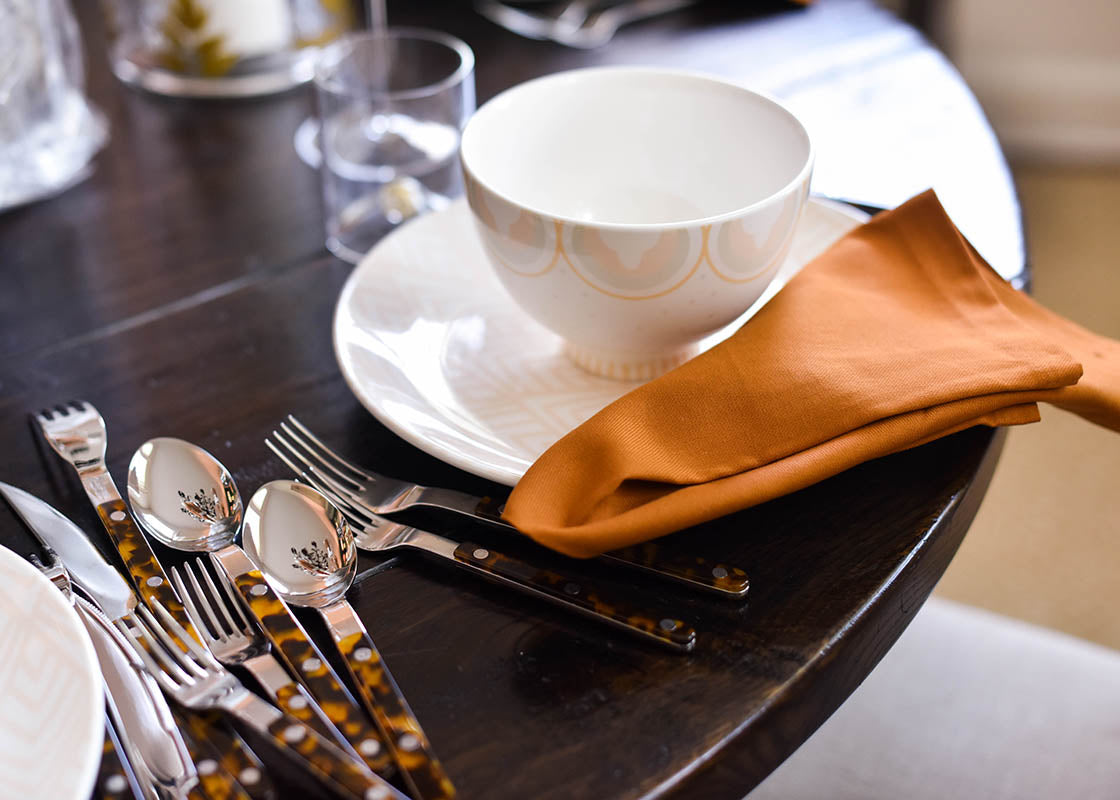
(634, 211)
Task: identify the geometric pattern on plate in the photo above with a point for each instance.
(51, 706)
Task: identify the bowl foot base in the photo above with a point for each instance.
(624, 366)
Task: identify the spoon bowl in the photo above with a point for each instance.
(302, 543)
(308, 551)
(183, 496)
(186, 498)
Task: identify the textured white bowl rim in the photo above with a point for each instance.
(591, 72)
(62, 612)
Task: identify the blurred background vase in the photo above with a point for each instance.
(48, 131)
(221, 48)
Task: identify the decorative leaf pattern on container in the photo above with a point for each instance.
(188, 48)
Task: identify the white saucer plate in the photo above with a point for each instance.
(52, 720)
(433, 346)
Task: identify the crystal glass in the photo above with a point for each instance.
(48, 131)
(391, 106)
(222, 48)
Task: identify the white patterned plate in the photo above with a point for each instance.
(52, 720)
(430, 343)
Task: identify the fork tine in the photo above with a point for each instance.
(331, 453)
(145, 656)
(215, 599)
(318, 457)
(350, 504)
(353, 510)
(165, 656)
(165, 648)
(217, 633)
(358, 525)
(314, 478)
(279, 454)
(188, 602)
(341, 489)
(234, 601)
(193, 648)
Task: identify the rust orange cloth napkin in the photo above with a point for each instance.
(897, 335)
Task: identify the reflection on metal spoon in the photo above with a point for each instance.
(303, 544)
(183, 496)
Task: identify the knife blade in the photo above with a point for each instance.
(88, 568)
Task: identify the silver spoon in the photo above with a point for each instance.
(182, 496)
(186, 499)
(303, 544)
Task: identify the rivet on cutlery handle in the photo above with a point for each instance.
(692, 570)
(318, 755)
(292, 645)
(139, 559)
(222, 762)
(564, 591)
(383, 698)
(293, 699)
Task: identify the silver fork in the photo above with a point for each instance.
(77, 432)
(377, 495)
(372, 532)
(239, 643)
(195, 679)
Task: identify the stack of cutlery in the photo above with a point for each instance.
(185, 634)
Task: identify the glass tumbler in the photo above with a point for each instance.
(48, 130)
(391, 106)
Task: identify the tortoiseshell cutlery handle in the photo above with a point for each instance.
(221, 758)
(292, 698)
(336, 769)
(140, 560)
(231, 754)
(563, 590)
(422, 771)
(292, 645)
(692, 570)
(650, 558)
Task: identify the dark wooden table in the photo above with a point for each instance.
(185, 290)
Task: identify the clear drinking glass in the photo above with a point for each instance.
(48, 131)
(391, 106)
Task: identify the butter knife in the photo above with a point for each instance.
(151, 742)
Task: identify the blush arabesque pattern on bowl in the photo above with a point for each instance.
(632, 300)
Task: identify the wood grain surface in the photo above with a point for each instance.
(184, 290)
